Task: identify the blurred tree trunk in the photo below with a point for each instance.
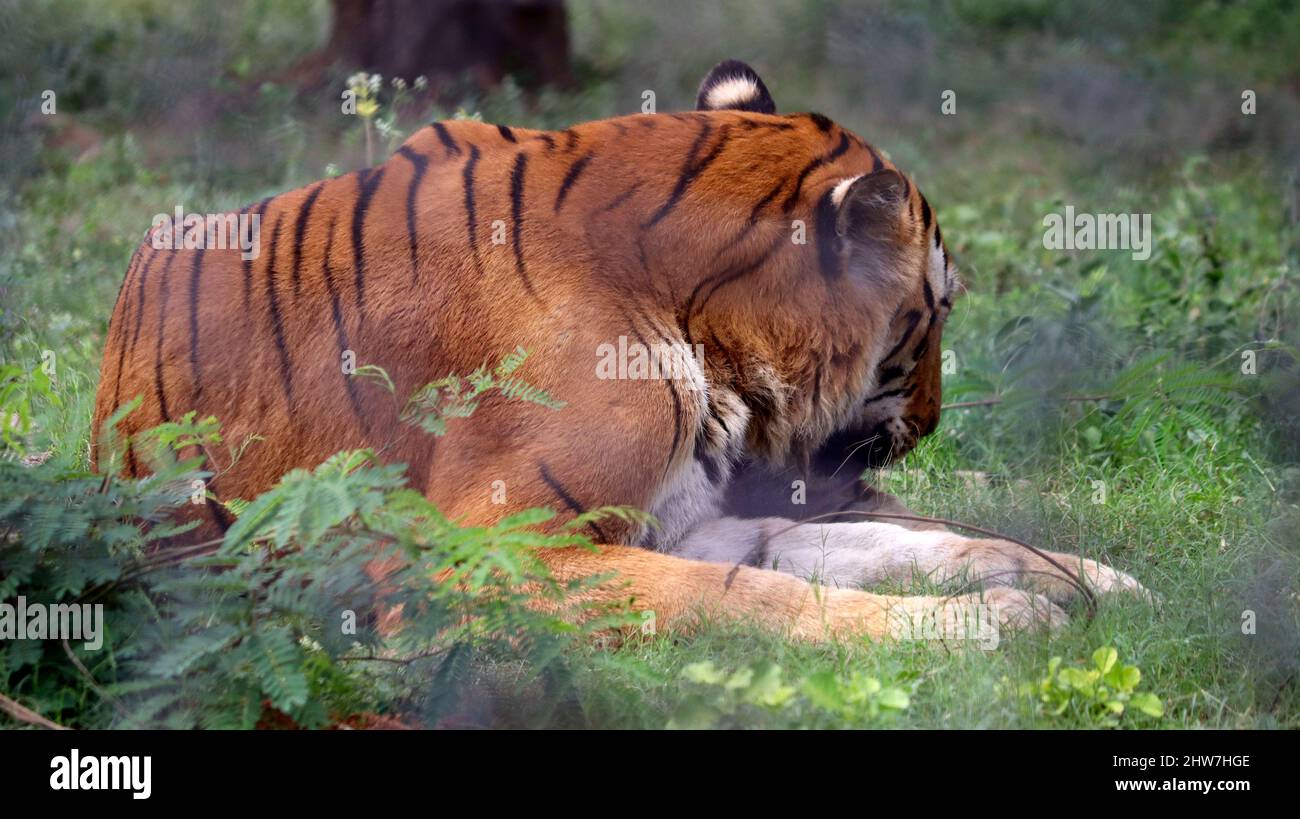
(445, 40)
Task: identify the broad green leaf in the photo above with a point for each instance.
(823, 690)
(895, 698)
(1104, 658)
(1148, 704)
(703, 673)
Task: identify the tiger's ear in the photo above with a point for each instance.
(871, 208)
(734, 86)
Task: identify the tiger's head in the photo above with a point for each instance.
(885, 222)
(870, 381)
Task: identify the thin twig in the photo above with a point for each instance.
(983, 402)
(22, 713)
(137, 569)
(988, 402)
(432, 652)
(90, 680)
(170, 555)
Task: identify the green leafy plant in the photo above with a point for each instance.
(854, 698)
(278, 622)
(1102, 693)
(431, 406)
(757, 694)
(19, 387)
(379, 109)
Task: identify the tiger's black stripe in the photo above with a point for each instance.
(720, 280)
(444, 136)
(471, 213)
(220, 515)
(814, 164)
(336, 312)
(575, 170)
(889, 374)
(817, 387)
(621, 198)
(644, 260)
(828, 253)
(517, 218)
(506, 134)
(121, 329)
(140, 300)
(732, 362)
(880, 396)
(677, 425)
(753, 217)
(692, 168)
(822, 122)
(568, 499)
(921, 347)
(924, 344)
(753, 124)
(299, 231)
(163, 289)
(367, 181)
(419, 164)
(877, 164)
(125, 286)
(258, 212)
(913, 318)
(277, 321)
(672, 391)
(195, 375)
(712, 469)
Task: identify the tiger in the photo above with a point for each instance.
(808, 272)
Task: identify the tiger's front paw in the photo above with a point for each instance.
(983, 618)
(1020, 610)
(1105, 580)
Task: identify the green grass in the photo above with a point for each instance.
(1195, 457)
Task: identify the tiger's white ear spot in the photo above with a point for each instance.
(732, 92)
(734, 86)
(838, 192)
